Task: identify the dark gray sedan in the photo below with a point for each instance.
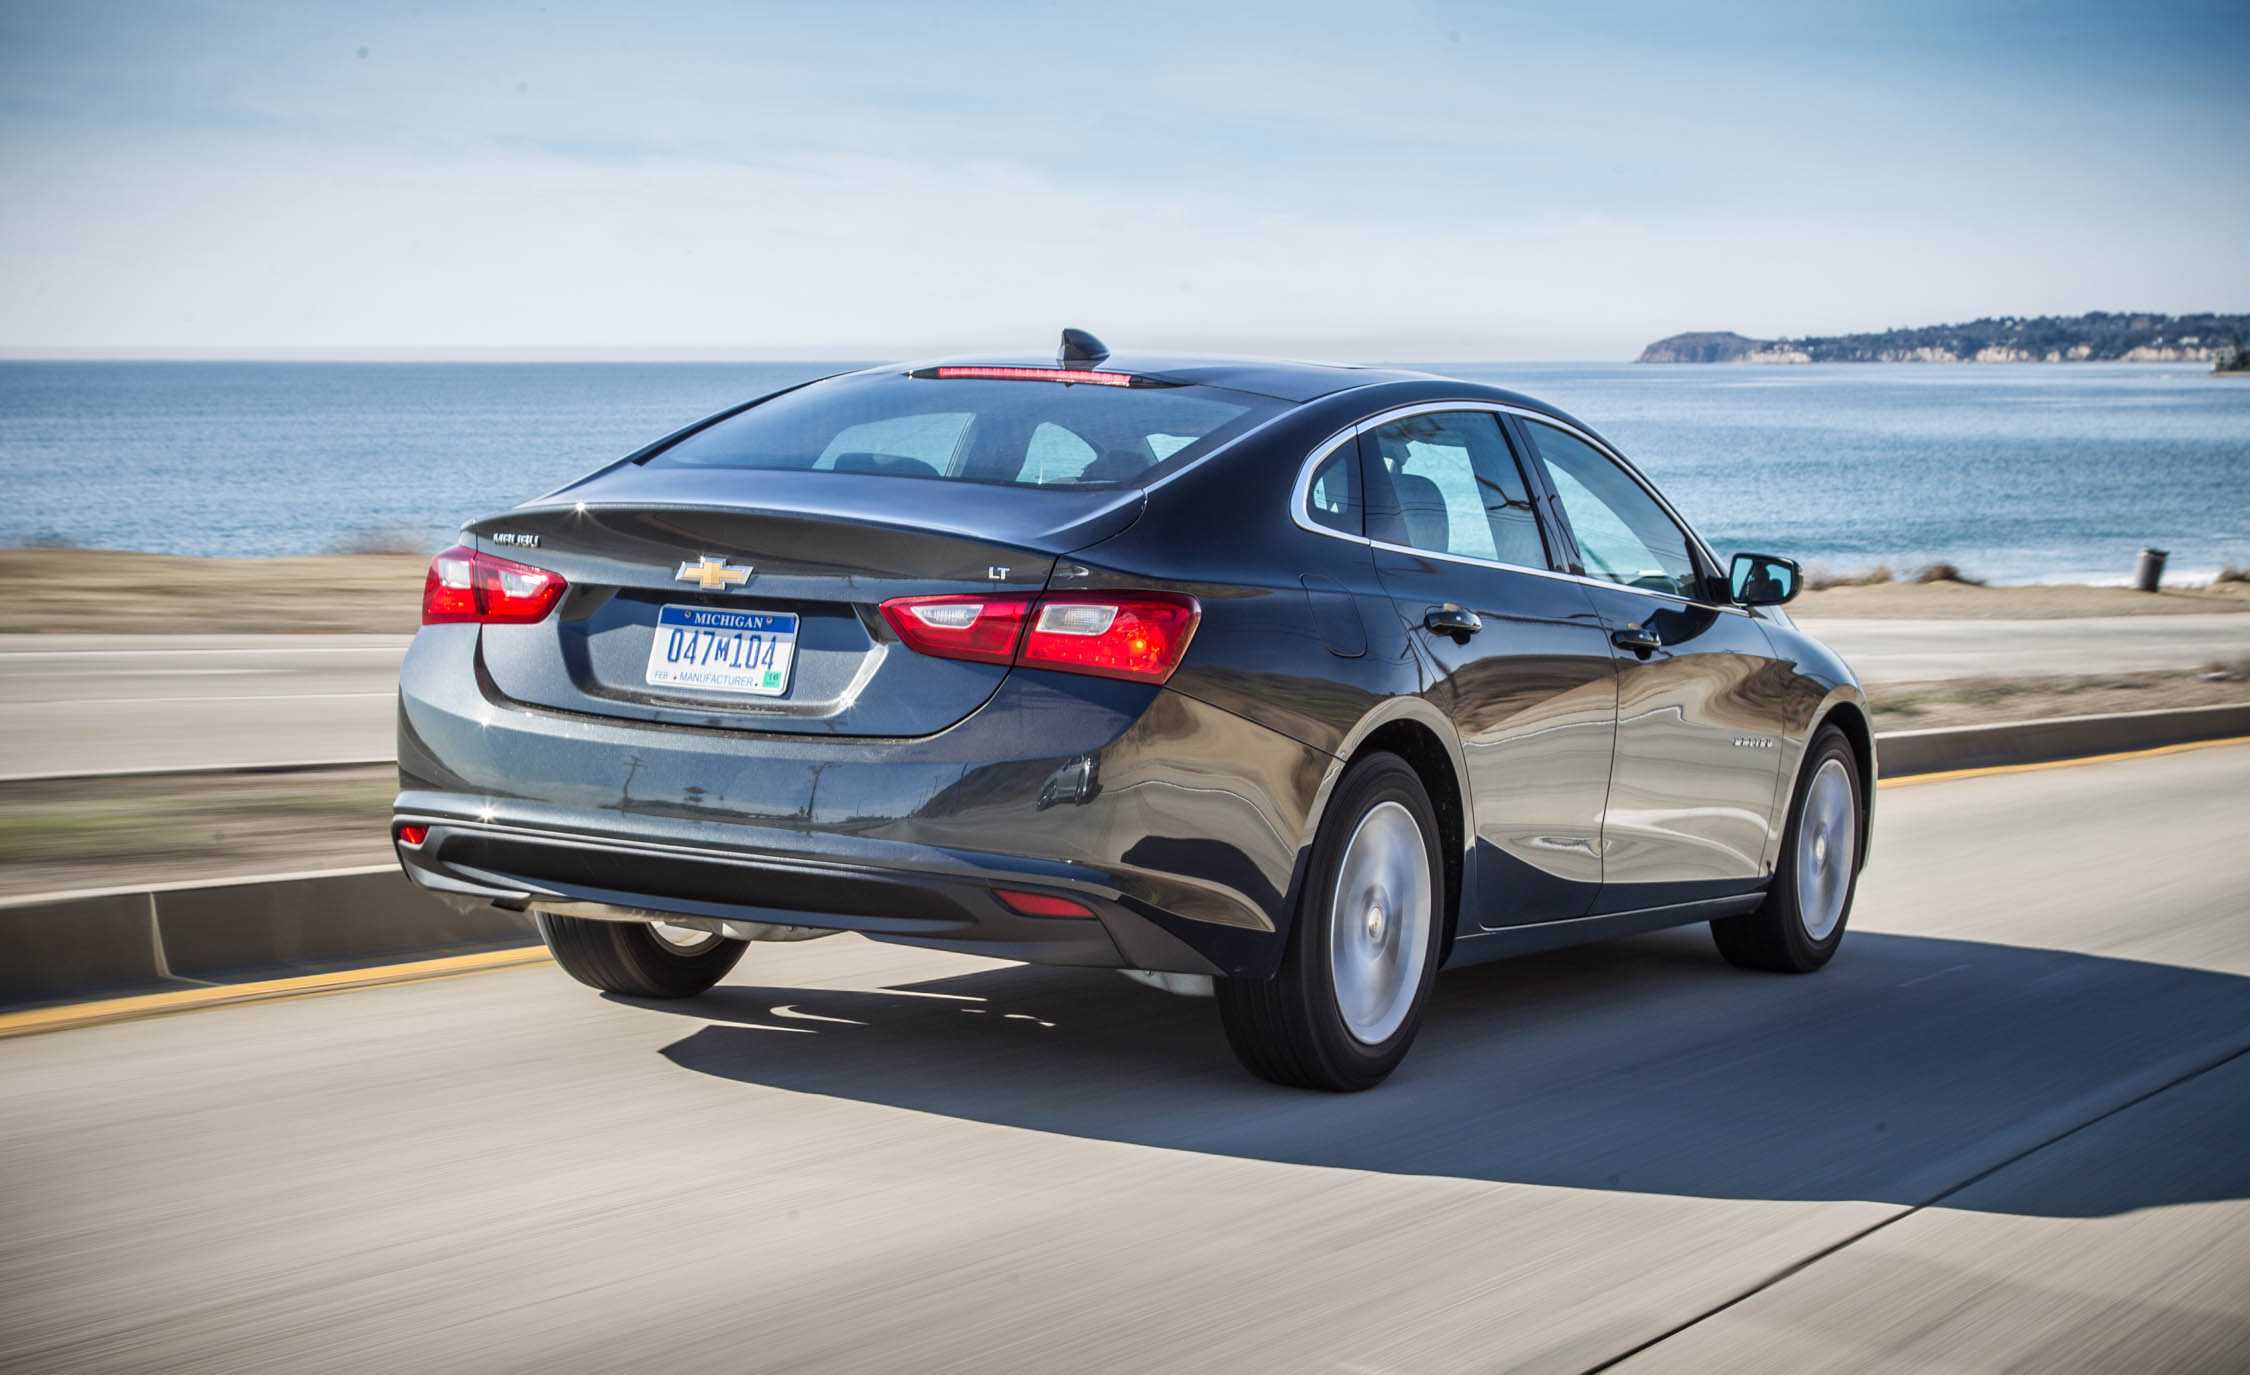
(1284, 682)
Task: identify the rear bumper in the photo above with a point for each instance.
(936, 898)
(1180, 825)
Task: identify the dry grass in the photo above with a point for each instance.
(1946, 572)
(54, 589)
(1973, 701)
(45, 590)
(83, 833)
(1821, 579)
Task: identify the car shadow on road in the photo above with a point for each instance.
(1909, 1066)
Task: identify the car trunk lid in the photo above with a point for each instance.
(824, 548)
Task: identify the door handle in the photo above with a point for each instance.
(1641, 639)
(1452, 620)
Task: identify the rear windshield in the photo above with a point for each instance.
(1034, 434)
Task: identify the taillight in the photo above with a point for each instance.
(984, 629)
(1137, 636)
(412, 834)
(464, 585)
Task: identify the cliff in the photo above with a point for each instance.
(2099, 336)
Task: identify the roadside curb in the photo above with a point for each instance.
(163, 947)
(1948, 749)
(66, 947)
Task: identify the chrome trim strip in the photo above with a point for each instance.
(1694, 910)
(1289, 408)
(1300, 501)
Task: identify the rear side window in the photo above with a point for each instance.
(1332, 497)
(1029, 433)
(1446, 482)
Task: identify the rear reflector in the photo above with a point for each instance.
(1099, 379)
(1040, 904)
(1137, 636)
(412, 836)
(485, 589)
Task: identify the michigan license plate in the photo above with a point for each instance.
(719, 650)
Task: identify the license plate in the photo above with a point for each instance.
(719, 650)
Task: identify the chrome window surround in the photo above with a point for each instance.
(1301, 496)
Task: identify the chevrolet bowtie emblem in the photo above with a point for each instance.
(713, 574)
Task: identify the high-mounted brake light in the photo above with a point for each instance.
(1137, 636)
(993, 374)
(464, 585)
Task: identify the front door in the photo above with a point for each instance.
(1517, 657)
(1699, 690)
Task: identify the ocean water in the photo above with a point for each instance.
(2017, 474)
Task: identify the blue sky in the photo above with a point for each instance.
(1408, 181)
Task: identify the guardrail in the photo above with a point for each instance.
(67, 947)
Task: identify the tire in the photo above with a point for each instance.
(1335, 1017)
(1802, 921)
(632, 959)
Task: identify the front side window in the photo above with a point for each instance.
(1624, 536)
(1446, 482)
(1025, 433)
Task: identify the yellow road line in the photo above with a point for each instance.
(38, 1019)
(69, 1015)
(1911, 779)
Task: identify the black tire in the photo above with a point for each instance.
(629, 958)
(1776, 937)
(1290, 1029)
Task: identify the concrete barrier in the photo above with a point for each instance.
(1903, 753)
(68, 947)
(80, 946)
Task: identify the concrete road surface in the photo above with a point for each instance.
(1912, 651)
(2005, 1127)
(82, 703)
(87, 703)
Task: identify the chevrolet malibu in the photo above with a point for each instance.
(1286, 683)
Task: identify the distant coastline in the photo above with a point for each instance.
(2096, 337)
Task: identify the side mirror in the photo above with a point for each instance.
(1763, 579)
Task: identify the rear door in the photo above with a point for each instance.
(1531, 687)
(734, 578)
(1699, 691)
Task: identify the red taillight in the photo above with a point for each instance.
(464, 585)
(984, 629)
(1138, 636)
(1099, 379)
(411, 835)
(1040, 904)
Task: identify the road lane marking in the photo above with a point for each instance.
(1951, 775)
(69, 1015)
(155, 700)
(395, 651)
